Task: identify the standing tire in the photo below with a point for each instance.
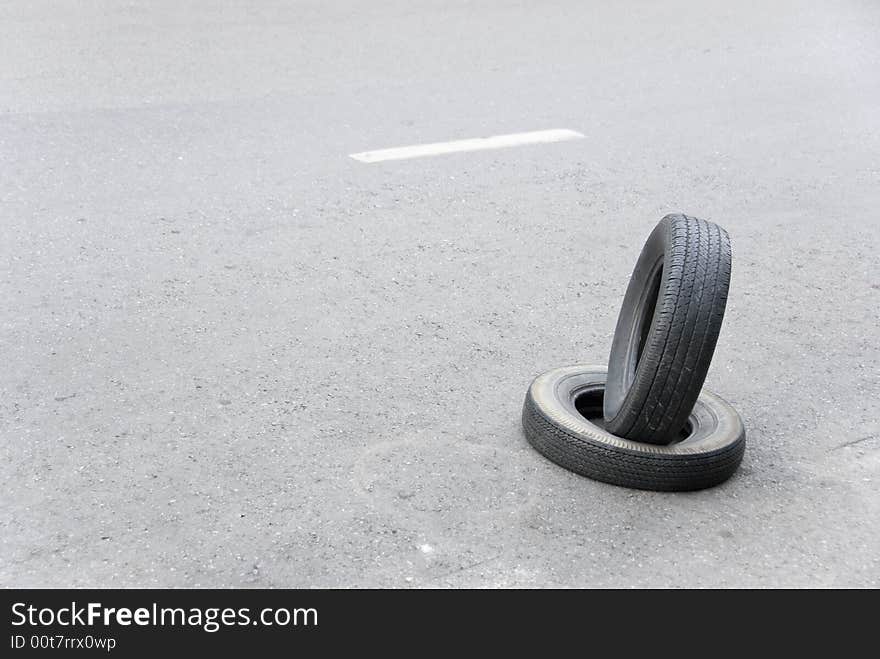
(667, 329)
(562, 419)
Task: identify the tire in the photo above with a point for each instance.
(667, 329)
(562, 420)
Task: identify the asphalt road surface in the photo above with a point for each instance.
(232, 355)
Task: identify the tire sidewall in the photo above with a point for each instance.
(623, 359)
(718, 424)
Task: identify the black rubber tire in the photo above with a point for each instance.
(667, 329)
(555, 421)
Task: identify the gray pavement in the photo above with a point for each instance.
(233, 356)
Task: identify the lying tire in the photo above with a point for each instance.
(667, 329)
(562, 420)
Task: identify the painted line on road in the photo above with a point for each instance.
(473, 144)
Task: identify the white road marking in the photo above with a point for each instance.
(474, 144)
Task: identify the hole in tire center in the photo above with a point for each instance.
(588, 403)
(647, 314)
